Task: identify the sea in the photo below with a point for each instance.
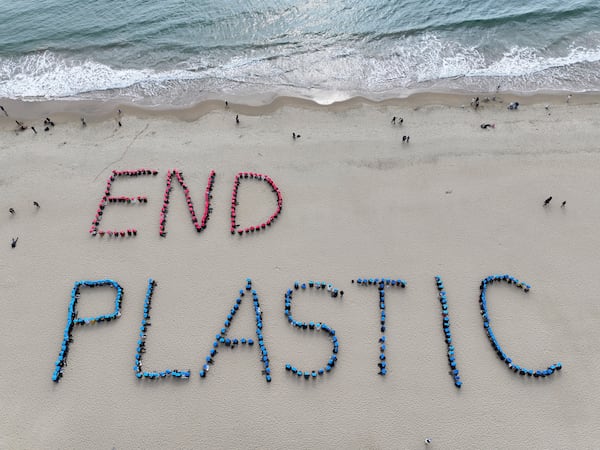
(180, 52)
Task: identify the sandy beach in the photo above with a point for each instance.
(457, 201)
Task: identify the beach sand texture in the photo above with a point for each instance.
(457, 201)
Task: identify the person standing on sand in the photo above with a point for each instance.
(48, 122)
(237, 119)
(3, 110)
(13, 244)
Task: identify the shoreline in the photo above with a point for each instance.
(63, 111)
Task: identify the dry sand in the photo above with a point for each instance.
(457, 201)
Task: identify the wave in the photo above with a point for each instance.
(48, 75)
(354, 67)
(523, 61)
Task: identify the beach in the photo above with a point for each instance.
(457, 201)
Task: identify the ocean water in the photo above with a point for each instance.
(178, 52)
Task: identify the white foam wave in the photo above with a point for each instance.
(343, 68)
(413, 62)
(523, 61)
(48, 75)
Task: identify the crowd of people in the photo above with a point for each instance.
(107, 198)
(141, 344)
(199, 225)
(48, 123)
(125, 199)
(381, 284)
(221, 338)
(312, 374)
(334, 292)
(73, 319)
(488, 328)
(234, 203)
(448, 334)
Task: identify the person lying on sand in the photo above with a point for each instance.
(485, 126)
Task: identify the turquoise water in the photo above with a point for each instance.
(179, 52)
